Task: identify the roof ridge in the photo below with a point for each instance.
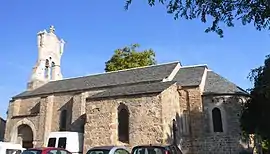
(198, 65)
(124, 70)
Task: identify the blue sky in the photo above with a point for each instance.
(93, 29)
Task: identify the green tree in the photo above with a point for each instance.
(128, 57)
(219, 11)
(256, 112)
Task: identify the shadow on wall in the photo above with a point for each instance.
(66, 122)
(201, 140)
(78, 124)
(2, 129)
(35, 110)
(65, 116)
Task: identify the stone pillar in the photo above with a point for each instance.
(78, 110)
(196, 114)
(45, 121)
(16, 107)
(48, 117)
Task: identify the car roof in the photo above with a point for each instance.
(46, 148)
(106, 147)
(153, 145)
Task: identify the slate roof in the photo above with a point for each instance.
(129, 90)
(147, 80)
(216, 84)
(190, 76)
(138, 75)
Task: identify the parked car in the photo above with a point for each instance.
(71, 141)
(46, 150)
(10, 148)
(156, 149)
(108, 150)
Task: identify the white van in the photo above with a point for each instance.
(71, 141)
(10, 148)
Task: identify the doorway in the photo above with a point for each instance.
(25, 135)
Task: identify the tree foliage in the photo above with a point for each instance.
(256, 112)
(219, 11)
(128, 57)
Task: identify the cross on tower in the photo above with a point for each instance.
(52, 29)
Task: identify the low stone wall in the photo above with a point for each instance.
(215, 144)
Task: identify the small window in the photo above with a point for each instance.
(123, 123)
(47, 63)
(62, 142)
(51, 142)
(217, 120)
(63, 120)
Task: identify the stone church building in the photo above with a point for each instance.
(127, 107)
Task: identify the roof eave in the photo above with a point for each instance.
(79, 90)
(88, 99)
(187, 86)
(223, 94)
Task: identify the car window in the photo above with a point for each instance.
(175, 149)
(13, 151)
(178, 151)
(98, 151)
(62, 142)
(121, 151)
(32, 151)
(51, 142)
(148, 150)
(63, 152)
(52, 152)
(172, 150)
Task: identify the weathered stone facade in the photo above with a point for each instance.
(206, 108)
(203, 139)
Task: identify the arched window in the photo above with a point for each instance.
(217, 120)
(63, 120)
(46, 72)
(52, 70)
(123, 123)
(53, 64)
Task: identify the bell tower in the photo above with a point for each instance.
(47, 67)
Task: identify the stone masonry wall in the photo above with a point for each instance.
(228, 141)
(200, 138)
(44, 113)
(205, 140)
(65, 101)
(170, 111)
(45, 119)
(62, 102)
(18, 111)
(190, 120)
(145, 123)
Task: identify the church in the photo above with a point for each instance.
(127, 107)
